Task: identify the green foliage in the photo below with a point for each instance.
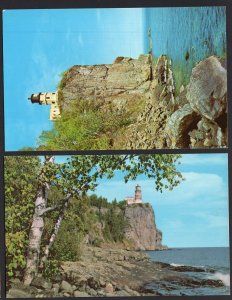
(67, 246)
(20, 190)
(99, 202)
(161, 167)
(68, 243)
(81, 173)
(51, 269)
(115, 225)
(15, 247)
(97, 242)
(112, 219)
(84, 126)
(122, 205)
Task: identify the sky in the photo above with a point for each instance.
(194, 214)
(41, 44)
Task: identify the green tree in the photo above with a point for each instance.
(115, 224)
(21, 182)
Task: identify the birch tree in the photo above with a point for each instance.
(37, 226)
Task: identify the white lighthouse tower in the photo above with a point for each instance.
(49, 98)
(137, 198)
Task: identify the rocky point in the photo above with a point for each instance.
(193, 117)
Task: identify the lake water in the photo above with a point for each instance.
(187, 35)
(208, 258)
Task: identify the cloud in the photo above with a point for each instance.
(204, 159)
(203, 187)
(211, 220)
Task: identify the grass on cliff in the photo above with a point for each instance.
(84, 126)
(63, 77)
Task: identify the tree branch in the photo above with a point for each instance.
(45, 210)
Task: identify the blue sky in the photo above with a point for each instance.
(195, 214)
(40, 44)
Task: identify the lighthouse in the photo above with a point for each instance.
(138, 194)
(137, 198)
(48, 98)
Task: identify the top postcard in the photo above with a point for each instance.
(115, 79)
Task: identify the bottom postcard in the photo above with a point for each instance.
(117, 225)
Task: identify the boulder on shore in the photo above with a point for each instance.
(207, 89)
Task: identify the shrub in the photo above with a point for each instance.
(84, 126)
(51, 269)
(68, 243)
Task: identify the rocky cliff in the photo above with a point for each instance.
(141, 229)
(193, 117)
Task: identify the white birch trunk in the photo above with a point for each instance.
(35, 235)
(57, 226)
(55, 230)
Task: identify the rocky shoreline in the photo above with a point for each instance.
(111, 272)
(194, 116)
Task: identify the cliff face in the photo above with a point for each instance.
(109, 86)
(142, 230)
(196, 117)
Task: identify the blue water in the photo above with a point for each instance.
(200, 31)
(208, 258)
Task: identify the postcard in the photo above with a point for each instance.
(115, 79)
(117, 225)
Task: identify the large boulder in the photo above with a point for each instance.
(18, 293)
(207, 135)
(41, 283)
(78, 294)
(179, 125)
(109, 288)
(207, 89)
(66, 287)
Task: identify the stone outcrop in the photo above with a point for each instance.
(202, 122)
(110, 86)
(141, 229)
(207, 89)
(179, 125)
(195, 116)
